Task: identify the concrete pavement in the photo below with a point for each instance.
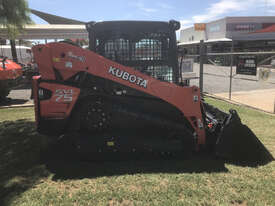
(246, 90)
(261, 99)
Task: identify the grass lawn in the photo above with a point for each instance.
(33, 174)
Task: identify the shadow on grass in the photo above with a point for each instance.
(57, 162)
(20, 167)
(9, 101)
(67, 165)
(26, 158)
(25, 84)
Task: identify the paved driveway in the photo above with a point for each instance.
(248, 90)
(216, 80)
(20, 96)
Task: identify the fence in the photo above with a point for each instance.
(224, 75)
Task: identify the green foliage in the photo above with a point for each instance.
(14, 114)
(14, 14)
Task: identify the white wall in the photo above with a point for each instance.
(23, 56)
(190, 35)
(216, 29)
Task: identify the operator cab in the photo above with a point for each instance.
(148, 46)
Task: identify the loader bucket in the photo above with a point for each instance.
(238, 143)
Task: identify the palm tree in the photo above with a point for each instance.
(14, 14)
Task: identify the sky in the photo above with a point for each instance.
(187, 12)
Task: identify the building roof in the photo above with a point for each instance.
(207, 41)
(53, 19)
(58, 28)
(49, 31)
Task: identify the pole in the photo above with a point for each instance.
(231, 70)
(201, 64)
(13, 50)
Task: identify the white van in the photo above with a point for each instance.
(24, 54)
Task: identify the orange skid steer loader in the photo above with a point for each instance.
(124, 94)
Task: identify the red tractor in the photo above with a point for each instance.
(9, 73)
(124, 94)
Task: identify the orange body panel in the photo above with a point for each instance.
(69, 60)
(58, 106)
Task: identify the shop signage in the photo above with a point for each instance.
(187, 65)
(247, 64)
(200, 27)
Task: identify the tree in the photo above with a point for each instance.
(14, 15)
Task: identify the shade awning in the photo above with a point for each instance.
(207, 41)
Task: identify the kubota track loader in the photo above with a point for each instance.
(124, 95)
